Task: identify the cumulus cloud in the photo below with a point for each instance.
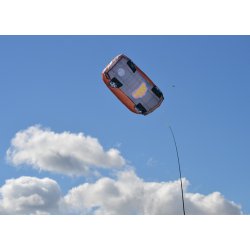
(30, 195)
(66, 153)
(128, 194)
(78, 154)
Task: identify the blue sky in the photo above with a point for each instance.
(55, 81)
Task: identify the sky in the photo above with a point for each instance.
(69, 146)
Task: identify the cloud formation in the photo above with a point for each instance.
(127, 194)
(65, 153)
(77, 154)
(30, 195)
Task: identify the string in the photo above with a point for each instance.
(182, 196)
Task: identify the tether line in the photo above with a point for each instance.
(182, 196)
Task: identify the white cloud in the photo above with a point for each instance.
(29, 195)
(65, 153)
(129, 194)
(77, 154)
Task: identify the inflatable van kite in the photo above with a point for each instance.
(132, 86)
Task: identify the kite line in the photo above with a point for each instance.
(182, 196)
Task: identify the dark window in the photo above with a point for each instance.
(115, 83)
(131, 66)
(157, 92)
(141, 108)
